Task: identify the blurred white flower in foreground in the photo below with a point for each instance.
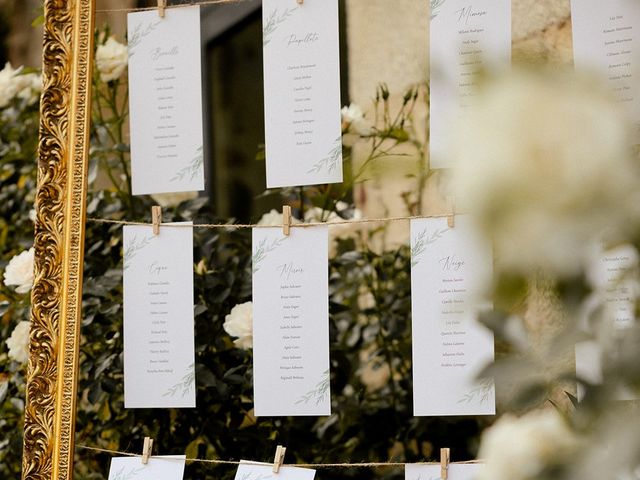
(13, 83)
(111, 59)
(545, 165)
(239, 323)
(374, 371)
(521, 448)
(19, 271)
(18, 342)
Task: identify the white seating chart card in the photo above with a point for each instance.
(159, 352)
(253, 471)
(165, 102)
(291, 322)
(606, 36)
(432, 472)
(158, 468)
(450, 270)
(303, 132)
(466, 37)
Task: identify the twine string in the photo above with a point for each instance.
(299, 465)
(239, 226)
(168, 7)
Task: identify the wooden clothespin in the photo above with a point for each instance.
(147, 449)
(279, 458)
(451, 206)
(445, 458)
(286, 220)
(300, 2)
(156, 218)
(162, 4)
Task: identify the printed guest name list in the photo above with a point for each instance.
(450, 268)
(466, 37)
(165, 101)
(291, 322)
(302, 92)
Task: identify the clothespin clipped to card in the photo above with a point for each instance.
(279, 458)
(156, 219)
(445, 458)
(451, 206)
(147, 449)
(300, 2)
(286, 220)
(162, 4)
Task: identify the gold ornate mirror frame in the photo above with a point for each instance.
(65, 114)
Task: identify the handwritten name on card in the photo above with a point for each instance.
(165, 101)
(450, 269)
(605, 40)
(291, 322)
(467, 36)
(158, 468)
(159, 354)
(302, 92)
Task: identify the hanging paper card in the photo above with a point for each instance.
(159, 355)
(158, 468)
(451, 268)
(467, 37)
(291, 322)
(165, 101)
(302, 92)
(432, 472)
(606, 40)
(253, 471)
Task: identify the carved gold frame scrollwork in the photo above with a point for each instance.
(65, 113)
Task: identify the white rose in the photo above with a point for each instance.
(111, 59)
(18, 343)
(544, 165)
(274, 219)
(166, 200)
(353, 120)
(19, 272)
(239, 323)
(13, 83)
(521, 448)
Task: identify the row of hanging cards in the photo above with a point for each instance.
(451, 272)
(467, 37)
(159, 351)
(291, 322)
(303, 132)
(606, 38)
(165, 101)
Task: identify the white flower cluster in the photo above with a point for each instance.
(521, 448)
(543, 164)
(112, 58)
(19, 271)
(14, 83)
(239, 323)
(18, 342)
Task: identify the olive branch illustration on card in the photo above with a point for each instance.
(133, 247)
(141, 31)
(192, 169)
(264, 248)
(274, 21)
(186, 383)
(317, 394)
(421, 241)
(479, 394)
(121, 475)
(330, 162)
(435, 5)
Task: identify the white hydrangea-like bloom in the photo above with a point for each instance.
(18, 342)
(112, 58)
(19, 271)
(544, 164)
(167, 200)
(13, 83)
(520, 448)
(239, 323)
